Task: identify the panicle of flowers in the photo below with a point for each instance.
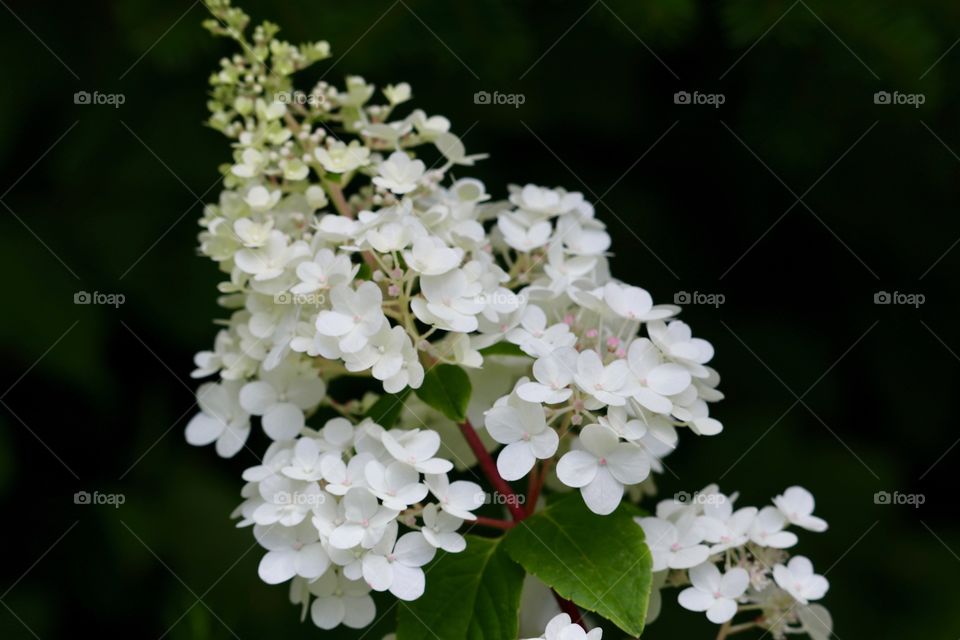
(347, 248)
(733, 561)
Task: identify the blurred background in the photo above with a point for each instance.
(741, 154)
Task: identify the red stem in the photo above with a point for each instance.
(495, 523)
(570, 609)
(490, 470)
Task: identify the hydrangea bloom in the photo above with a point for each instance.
(349, 251)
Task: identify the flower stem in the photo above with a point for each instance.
(495, 523)
(489, 468)
(570, 609)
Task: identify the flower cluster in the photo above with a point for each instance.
(348, 250)
(692, 539)
(327, 504)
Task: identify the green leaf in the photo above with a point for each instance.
(446, 388)
(473, 595)
(387, 408)
(601, 563)
(502, 349)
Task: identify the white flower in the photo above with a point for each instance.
(356, 315)
(365, 521)
(341, 601)
(535, 338)
(253, 234)
(281, 396)
(325, 271)
(561, 628)
(633, 303)
(341, 158)
(291, 551)
(416, 448)
(286, 501)
(522, 426)
(440, 529)
(798, 579)
(554, 373)
(259, 198)
(606, 384)
(767, 529)
(521, 237)
(725, 528)
(430, 256)
(269, 260)
(797, 504)
(399, 173)
(221, 419)
(602, 467)
(674, 545)
(655, 380)
(677, 343)
(340, 476)
(452, 301)
(456, 498)
(713, 593)
(397, 484)
(305, 462)
(392, 358)
(397, 566)
(543, 200)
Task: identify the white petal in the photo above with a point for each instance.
(603, 494)
(283, 421)
(515, 460)
(278, 566)
(577, 468)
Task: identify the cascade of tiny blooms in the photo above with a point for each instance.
(345, 253)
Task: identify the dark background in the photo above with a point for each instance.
(824, 387)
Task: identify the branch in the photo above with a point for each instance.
(494, 523)
(490, 470)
